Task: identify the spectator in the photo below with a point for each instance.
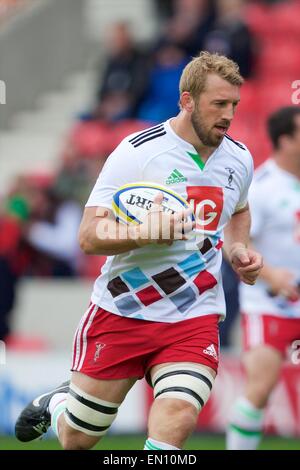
(14, 213)
(9, 244)
(164, 9)
(125, 76)
(190, 24)
(52, 231)
(230, 35)
(161, 100)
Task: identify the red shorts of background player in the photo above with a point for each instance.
(109, 346)
(269, 330)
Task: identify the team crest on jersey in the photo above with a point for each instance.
(207, 204)
(99, 347)
(231, 172)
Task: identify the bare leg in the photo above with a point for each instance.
(107, 390)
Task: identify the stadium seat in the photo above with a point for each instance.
(257, 18)
(16, 342)
(90, 266)
(123, 128)
(285, 18)
(91, 139)
(252, 133)
(274, 94)
(279, 58)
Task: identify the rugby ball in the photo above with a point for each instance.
(132, 201)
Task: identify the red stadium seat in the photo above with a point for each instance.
(248, 94)
(279, 58)
(258, 18)
(16, 342)
(276, 21)
(123, 128)
(90, 266)
(91, 139)
(274, 94)
(285, 18)
(252, 132)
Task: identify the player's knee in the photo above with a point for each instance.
(187, 388)
(188, 417)
(179, 415)
(87, 417)
(172, 421)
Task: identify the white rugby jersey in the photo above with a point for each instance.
(172, 283)
(274, 200)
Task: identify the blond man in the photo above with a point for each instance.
(156, 307)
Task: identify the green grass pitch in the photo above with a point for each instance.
(197, 442)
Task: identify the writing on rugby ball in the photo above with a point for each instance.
(132, 201)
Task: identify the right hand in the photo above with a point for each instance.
(159, 227)
(282, 282)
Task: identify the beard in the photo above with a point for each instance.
(205, 134)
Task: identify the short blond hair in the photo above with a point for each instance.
(194, 75)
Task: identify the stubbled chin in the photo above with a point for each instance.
(218, 139)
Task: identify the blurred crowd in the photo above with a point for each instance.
(136, 86)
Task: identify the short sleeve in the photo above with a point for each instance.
(243, 200)
(120, 168)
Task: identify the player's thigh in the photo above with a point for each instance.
(92, 406)
(108, 390)
(262, 365)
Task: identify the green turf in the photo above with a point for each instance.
(201, 442)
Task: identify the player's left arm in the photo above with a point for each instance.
(246, 262)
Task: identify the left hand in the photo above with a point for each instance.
(246, 263)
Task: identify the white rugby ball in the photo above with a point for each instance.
(132, 201)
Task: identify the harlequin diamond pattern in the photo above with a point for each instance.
(149, 295)
(205, 281)
(192, 265)
(127, 305)
(117, 287)
(170, 281)
(184, 300)
(135, 278)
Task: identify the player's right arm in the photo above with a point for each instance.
(101, 234)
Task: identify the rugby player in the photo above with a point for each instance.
(156, 307)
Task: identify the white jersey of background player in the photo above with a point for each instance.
(271, 311)
(274, 200)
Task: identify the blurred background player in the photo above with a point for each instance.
(271, 309)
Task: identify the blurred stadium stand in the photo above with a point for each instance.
(34, 47)
(277, 33)
(138, 13)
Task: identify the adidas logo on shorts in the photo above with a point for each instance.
(211, 351)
